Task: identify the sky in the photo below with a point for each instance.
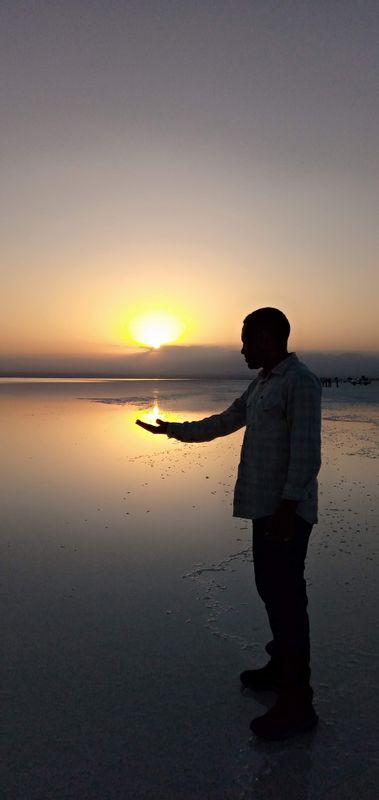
(200, 159)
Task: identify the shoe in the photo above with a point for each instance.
(264, 678)
(292, 713)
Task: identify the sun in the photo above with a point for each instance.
(155, 328)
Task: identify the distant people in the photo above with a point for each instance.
(277, 489)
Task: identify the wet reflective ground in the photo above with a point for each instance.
(129, 609)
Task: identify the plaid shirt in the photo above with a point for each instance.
(281, 450)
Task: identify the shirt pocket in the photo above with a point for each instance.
(272, 404)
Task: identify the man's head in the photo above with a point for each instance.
(264, 337)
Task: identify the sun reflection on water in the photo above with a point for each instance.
(151, 414)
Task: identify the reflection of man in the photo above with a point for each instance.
(277, 489)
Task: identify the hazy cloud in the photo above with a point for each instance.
(176, 361)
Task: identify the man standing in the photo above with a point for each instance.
(276, 488)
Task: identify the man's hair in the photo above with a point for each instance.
(268, 319)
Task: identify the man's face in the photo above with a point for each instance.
(254, 347)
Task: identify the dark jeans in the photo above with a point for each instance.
(279, 578)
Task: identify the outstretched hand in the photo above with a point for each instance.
(160, 427)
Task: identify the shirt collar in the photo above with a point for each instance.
(280, 368)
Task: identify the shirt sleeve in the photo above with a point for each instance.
(304, 422)
(204, 430)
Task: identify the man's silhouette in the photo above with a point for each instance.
(276, 488)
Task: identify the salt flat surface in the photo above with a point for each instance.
(129, 607)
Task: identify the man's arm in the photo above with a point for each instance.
(205, 430)
(304, 423)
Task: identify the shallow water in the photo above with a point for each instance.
(129, 607)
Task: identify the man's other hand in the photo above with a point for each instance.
(282, 523)
(160, 427)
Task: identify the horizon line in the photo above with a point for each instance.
(198, 377)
